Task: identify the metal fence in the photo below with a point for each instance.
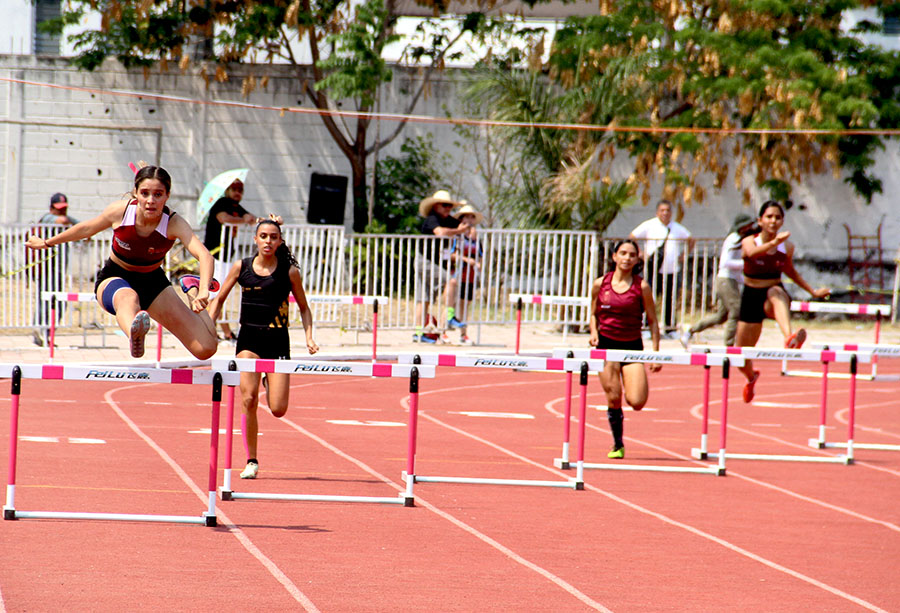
(555, 263)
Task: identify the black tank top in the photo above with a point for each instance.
(264, 299)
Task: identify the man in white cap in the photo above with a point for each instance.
(430, 263)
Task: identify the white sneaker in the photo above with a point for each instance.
(140, 325)
(250, 471)
(685, 338)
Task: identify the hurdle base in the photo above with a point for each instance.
(210, 519)
(706, 470)
(841, 459)
(568, 484)
(563, 464)
(817, 444)
(226, 494)
(9, 513)
(409, 501)
(401, 499)
(699, 454)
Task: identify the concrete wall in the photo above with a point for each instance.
(95, 134)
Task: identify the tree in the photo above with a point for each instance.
(346, 42)
(783, 65)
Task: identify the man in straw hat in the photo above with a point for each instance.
(466, 254)
(430, 263)
(728, 283)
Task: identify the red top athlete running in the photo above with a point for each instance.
(767, 256)
(132, 284)
(618, 301)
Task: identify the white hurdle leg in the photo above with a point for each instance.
(9, 509)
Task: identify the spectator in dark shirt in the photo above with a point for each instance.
(431, 266)
(226, 211)
(50, 277)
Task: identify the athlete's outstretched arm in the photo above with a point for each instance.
(81, 230)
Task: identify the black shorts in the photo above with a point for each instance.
(267, 343)
(753, 304)
(148, 285)
(604, 342)
(466, 290)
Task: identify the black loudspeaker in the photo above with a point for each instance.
(327, 198)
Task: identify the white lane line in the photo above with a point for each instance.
(40, 439)
(239, 534)
(356, 422)
(491, 414)
(86, 441)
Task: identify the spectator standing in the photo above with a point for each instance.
(729, 281)
(664, 241)
(466, 253)
(226, 211)
(431, 270)
(52, 278)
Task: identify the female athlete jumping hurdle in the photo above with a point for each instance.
(132, 284)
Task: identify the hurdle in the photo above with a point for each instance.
(504, 362)
(55, 297)
(878, 310)
(315, 367)
(890, 351)
(707, 360)
(337, 299)
(522, 299)
(115, 374)
(808, 355)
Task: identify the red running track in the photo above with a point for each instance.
(768, 536)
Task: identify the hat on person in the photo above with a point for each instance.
(741, 220)
(439, 196)
(468, 209)
(59, 201)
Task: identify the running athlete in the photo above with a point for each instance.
(619, 299)
(132, 285)
(266, 280)
(768, 255)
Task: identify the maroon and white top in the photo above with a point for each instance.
(138, 250)
(766, 265)
(619, 315)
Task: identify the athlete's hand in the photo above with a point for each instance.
(654, 367)
(594, 339)
(311, 346)
(781, 237)
(822, 292)
(36, 242)
(200, 301)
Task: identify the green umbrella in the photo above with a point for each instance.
(215, 189)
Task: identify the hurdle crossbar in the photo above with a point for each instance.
(492, 361)
(520, 300)
(826, 357)
(351, 300)
(707, 360)
(879, 311)
(316, 367)
(111, 373)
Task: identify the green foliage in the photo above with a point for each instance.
(402, 182)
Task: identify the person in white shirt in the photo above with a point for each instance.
(664, 240)
(728, 283)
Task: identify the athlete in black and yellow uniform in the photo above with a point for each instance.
(267, 280)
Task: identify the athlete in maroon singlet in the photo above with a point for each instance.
(619, 299)
(767, 256)
(132, 284)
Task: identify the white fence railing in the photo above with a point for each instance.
(555, 263)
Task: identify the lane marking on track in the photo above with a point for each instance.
(59, 400)
(696, 531)
(106, 489)
(783, 405)
(765, 425)
(362, 409)
(162, 404)
(490, 414)
(86, 441)
(584, 598)
(40, 439)
(279, 575)
(668, 421)
(206, 431)
(356, 422)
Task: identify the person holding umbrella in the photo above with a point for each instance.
(226, 210)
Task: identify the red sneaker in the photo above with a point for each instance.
(748, 389)
(796, 340)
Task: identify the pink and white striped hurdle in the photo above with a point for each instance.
(520, 300)
(825, 357)
(111, 373)
(879, 311)
(315, 367)
(374, 301)
(55, 297)
(680, 358)
(506, 362)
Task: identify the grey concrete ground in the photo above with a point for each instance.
(19, 348)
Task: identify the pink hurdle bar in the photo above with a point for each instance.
(9, 509)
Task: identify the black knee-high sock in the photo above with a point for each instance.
(616, 418)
